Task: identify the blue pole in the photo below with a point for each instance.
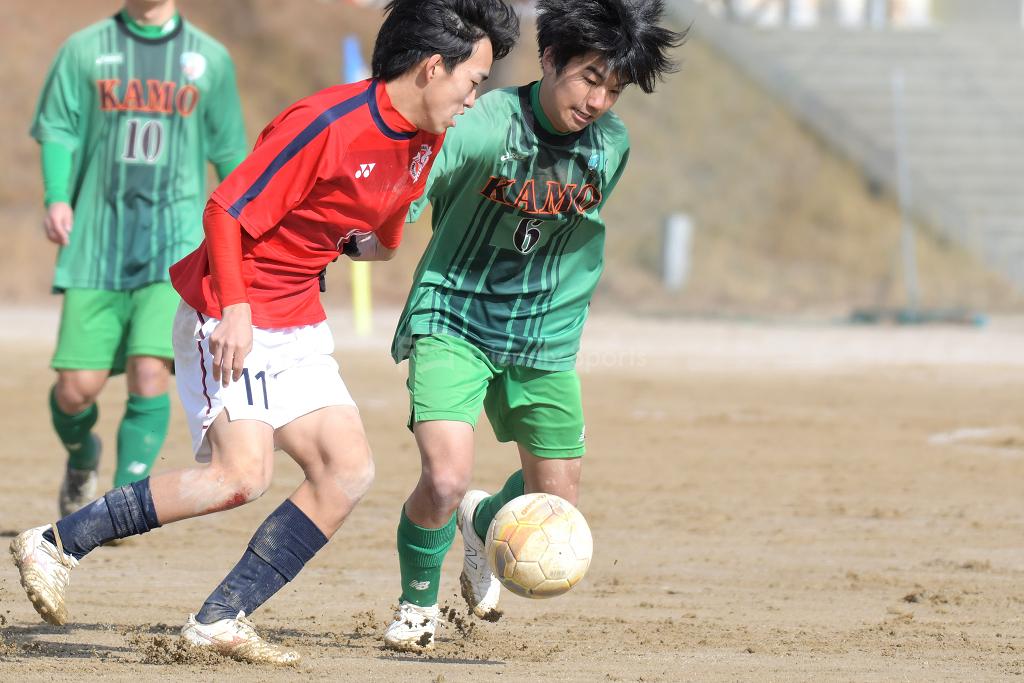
(353, 66)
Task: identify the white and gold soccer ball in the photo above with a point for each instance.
(539, 545)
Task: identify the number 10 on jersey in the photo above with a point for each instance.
(143, 141)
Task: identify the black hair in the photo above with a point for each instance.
(416, 29)
(626, 33)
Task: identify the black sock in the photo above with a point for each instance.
(125, 511)
(279, 549)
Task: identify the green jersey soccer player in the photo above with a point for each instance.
(499, 299)
(132, 110)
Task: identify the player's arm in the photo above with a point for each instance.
(223, 121)
(56, 161)
(231, 341)
(382, 244)
(56, 127)
(367, 248)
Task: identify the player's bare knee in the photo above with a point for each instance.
(364, 476)
(242, 492)
(355, 480)
(149, 382)
(446, 490)
(245, 484)
(257, 483)
(74, 395)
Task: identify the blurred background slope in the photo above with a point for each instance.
(788, 218)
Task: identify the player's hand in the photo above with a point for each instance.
(231, 342)
(366, 248)
(57, 223)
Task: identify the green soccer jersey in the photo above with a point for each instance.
(518, 239)
(141, 116)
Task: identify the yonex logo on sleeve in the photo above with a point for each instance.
(365, 170)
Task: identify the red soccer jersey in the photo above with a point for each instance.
(335, 164)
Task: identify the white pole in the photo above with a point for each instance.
(676, 247)
(878, 14)
(907, 242)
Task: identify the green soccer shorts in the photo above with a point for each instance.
(450, 379)
(100, 328)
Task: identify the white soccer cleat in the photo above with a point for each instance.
(236, 638)
(78, 488)
(480, 587)
(45, 573)
(413, 628)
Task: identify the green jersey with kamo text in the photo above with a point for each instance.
(142, 116)
(518, 240)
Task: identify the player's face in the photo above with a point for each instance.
(150, 10)
(580, 94)
(142, 6)
(450, 94)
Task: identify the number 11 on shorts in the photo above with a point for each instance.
(262, 377)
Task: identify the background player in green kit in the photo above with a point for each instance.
(500, 296)
(133, 108)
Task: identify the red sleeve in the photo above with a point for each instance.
(389, 234)
(224, 246)
(291, 154)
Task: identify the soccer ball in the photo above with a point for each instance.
(539, 545)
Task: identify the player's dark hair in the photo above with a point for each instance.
(413, 30)
(626, 33)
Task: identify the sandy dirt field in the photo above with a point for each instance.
(769, 502)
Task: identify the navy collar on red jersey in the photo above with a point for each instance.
(311, 131)
(382, 126)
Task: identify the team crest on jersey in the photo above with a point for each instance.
(419, 162)
(193, 65)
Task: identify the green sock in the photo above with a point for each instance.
(489, 506)
(140, 436)
(73, 431)
(420, 555)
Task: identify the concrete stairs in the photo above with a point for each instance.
(963, 114)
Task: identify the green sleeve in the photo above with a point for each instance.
(469, 140)
(616, 176)
(58, 112)
(225, 168)
(56, 163)
(225, 127)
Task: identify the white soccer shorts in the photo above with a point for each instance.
(289, 373)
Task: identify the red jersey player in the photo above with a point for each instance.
(333, 173)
